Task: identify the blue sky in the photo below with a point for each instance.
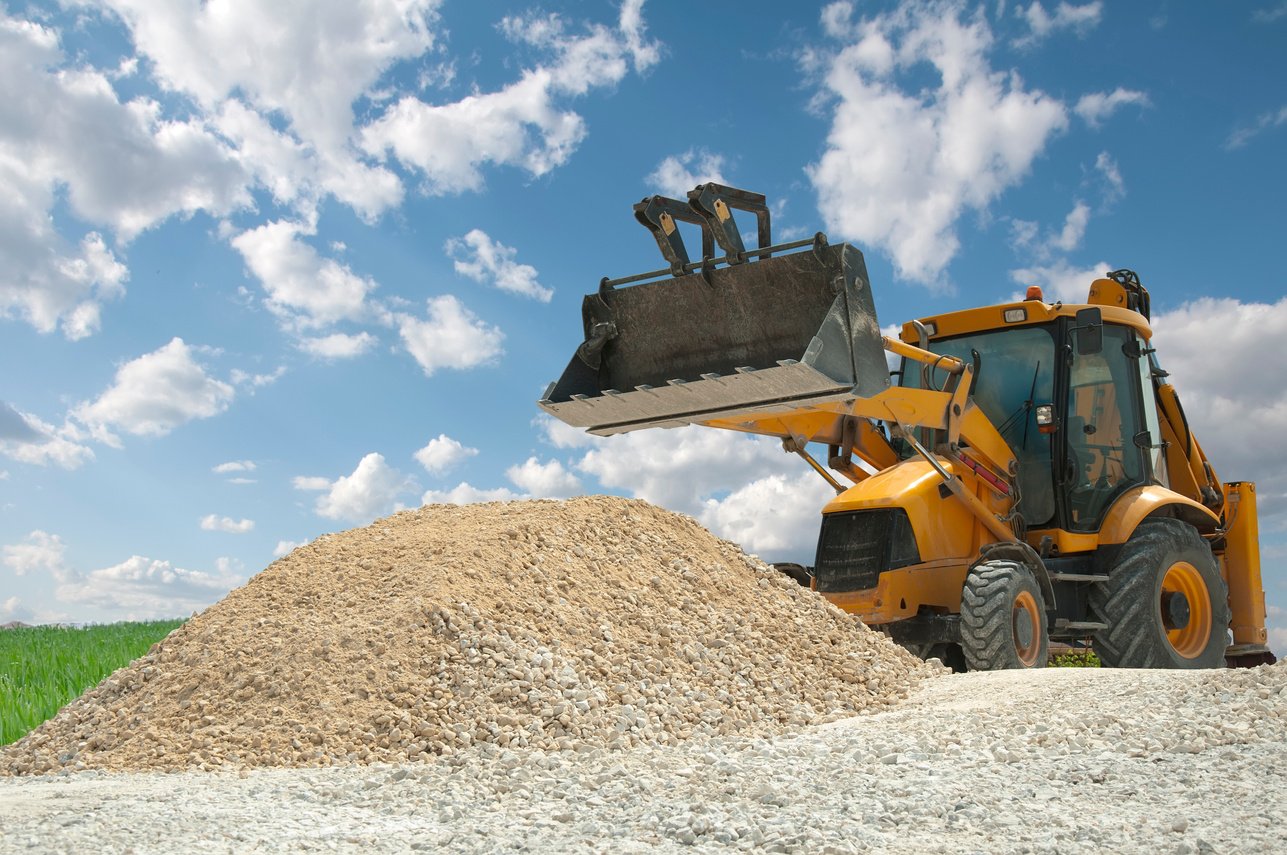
(274, 270)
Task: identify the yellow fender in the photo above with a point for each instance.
(1136, 505)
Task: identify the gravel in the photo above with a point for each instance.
(1056, 760)
(593, 621)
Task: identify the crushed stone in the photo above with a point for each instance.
(596, 622)
(1053, 760)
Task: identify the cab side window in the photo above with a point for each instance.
(1103, 419)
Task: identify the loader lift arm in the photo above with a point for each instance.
(949, 411)
(693, 344)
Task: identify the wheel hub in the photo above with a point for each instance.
(1186, 611)
(1025, 628)
(1022, 628)
(1175, 610)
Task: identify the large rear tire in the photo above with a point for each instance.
(1003, 618)
(1164, 602)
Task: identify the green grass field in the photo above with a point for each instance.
(44, 667)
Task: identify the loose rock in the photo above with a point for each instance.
(597, 621)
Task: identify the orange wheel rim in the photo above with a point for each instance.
(1026, 628)
(1191, 639)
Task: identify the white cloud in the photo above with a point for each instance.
(643, 53)
(1265, 121)
(305, 290)
(742, 487)
(1060, 281)
(12, 609)
(450, 336)
(27, 439)
(482, 259)
(442, 453)
(562, 435)
(1027, 235)
(681, 468)
(42, 552)
(1238, 414)
(258, 96)
(50, 285)
(1114, 186)
(1023, 233)
(246, 380)
(338, 345)
(902, 166)
(779, 514)
(234, 466)
(154, 394)
(467, 494)
(448, 143)
(1069, 238)
(286, 547)
(1066, 17)
(436, 76)
(296, 174)
(544, 480)
(244, 62)
(1095, 107)
(214, 522)
(310, 62)
(520, 124)
(142, 588)
(1269, 14)
(66, 135)
(371, 491)
(679, 173)
(124, 166)
(313, 482)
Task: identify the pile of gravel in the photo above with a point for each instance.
(597, 621)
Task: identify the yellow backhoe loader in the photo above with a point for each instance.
(1025, 473)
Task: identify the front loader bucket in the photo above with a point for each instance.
(782, 333)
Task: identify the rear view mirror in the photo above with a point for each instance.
(1089, 325)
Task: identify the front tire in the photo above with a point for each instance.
(1003, 618)
(1164, 602)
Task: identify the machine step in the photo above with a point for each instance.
(1078, 577)
(1064, 623)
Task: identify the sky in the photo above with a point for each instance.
(272, 270)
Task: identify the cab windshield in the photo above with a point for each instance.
(1016, 373)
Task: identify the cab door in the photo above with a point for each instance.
(1105, 427)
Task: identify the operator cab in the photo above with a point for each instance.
(1069, 389)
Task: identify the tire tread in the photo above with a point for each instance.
(986, 602)
(1124, 601)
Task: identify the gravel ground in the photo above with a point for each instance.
(1059, 761)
